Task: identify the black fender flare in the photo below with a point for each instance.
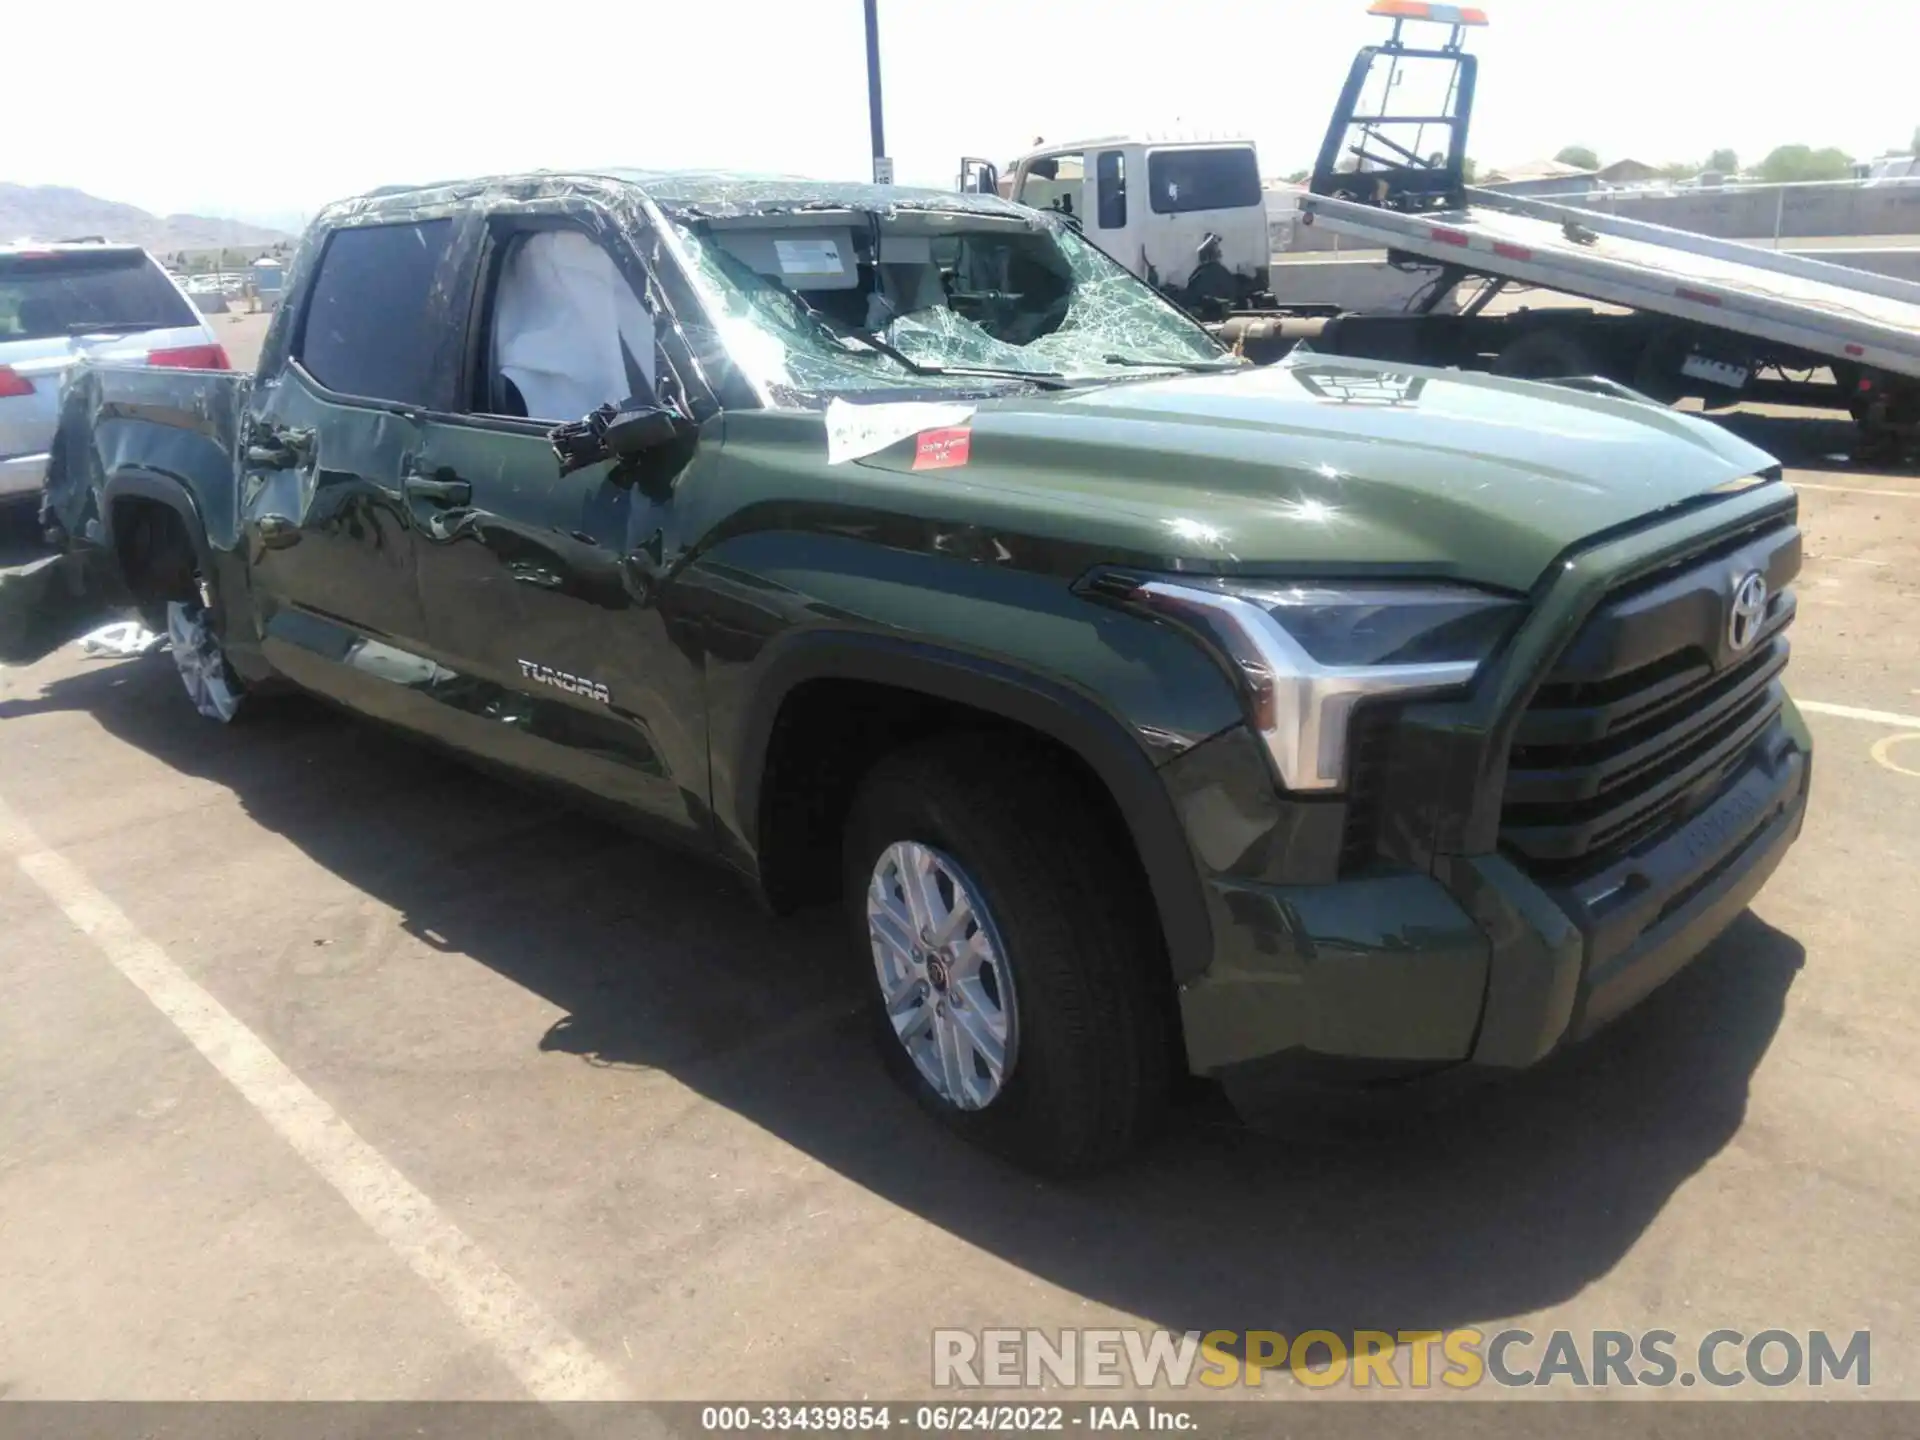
(1058, 711)
(131, 484)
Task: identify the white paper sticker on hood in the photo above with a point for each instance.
(857, 430)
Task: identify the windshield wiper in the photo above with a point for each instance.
(106, 327)
(884, 347)
(1197, 367)
(1045, 379)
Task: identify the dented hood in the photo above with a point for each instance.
(1329, 464)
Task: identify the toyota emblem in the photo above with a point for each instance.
(1749, 611)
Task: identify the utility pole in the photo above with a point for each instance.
(882, 166)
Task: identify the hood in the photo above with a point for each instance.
(1322, 465)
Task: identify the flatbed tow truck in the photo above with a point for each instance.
(1687, 315)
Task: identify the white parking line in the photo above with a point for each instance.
(1850, 712)
(547, 1359)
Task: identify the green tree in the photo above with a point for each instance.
(1469, 170)
(1679, 170)
(1789, 163)
(1299, 177)
(1580, 157)
(1725, 161)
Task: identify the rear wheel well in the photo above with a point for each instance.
(155, 551)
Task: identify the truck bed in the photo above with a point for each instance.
(1829, 310)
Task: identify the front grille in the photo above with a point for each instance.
(1648, 713)
(1369, 742)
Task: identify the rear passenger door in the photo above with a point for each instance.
(330, 535)
(536, 585)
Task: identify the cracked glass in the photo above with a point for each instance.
(819, 290)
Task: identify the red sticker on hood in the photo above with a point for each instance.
(943, 449)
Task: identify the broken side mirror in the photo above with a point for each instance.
(618, 433)
(634, 432)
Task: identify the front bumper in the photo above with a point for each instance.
(1476, 967)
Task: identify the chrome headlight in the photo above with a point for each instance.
(1307, 654)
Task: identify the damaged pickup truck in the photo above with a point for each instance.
(1322, 725)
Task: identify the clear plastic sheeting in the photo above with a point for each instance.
(569, 332)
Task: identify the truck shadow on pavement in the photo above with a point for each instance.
(1509, 1200)
(20, 533)
(1807, 440)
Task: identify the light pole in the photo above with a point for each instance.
(882, 166)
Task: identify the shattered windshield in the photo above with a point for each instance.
(827, 302)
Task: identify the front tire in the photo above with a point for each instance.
(210, 683)
(1015, 974)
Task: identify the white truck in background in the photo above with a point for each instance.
(1681, 315)
(1187, 216)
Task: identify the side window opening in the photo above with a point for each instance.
(366, 330)
(565, 333)
(1180, 181)
(1110, 179)
(1053, 182)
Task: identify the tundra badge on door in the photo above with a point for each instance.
(560, 680)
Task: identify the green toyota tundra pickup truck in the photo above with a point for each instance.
(1326, 724)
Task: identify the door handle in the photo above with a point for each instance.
(443, 487)
(277, 532)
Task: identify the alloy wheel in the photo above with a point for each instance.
(943, 973)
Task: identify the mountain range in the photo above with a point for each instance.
(56, 212)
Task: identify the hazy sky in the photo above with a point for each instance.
(273, 108)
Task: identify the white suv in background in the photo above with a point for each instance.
(59, 303)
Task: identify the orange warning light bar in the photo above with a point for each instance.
(1424, 10)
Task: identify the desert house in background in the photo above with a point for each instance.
(1536, 177)
(1631, 172)
(1555, 177)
